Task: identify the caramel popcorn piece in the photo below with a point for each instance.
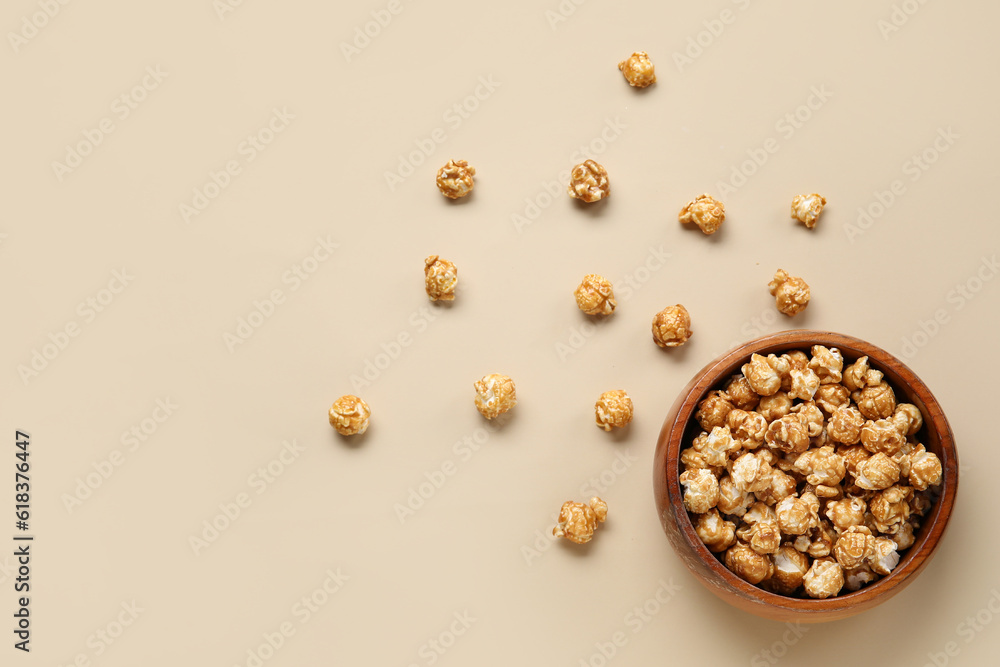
(884, 558)
(713, 410)
(845, 425)
(440, 278)
(577, 522)
(846, 512)
(764, 537)
(795, 516)
(774, 406)
(741, 394)
(588, 182)
(828, 363)
(877, 472)
(806, 209)
(882, 436)
(805, 384)
(855, 547)
(824, 579)
(717, 533)
(672, 326)
(638, 70)
(706, 212)
(701, 490)
(782, 485)
(751, 473)
(349, 415)
(889, 508)
(762, 378)
(454, 180)
(810, 415)
(831, 397)
(858, 577)
(876, 400)
(747, 427)
(907, 419)
(733, 500)
(854, 375)
(787, 434)
(925, 470)
(595, 295)
(495, 395)
(791, 293)
(790, 567)
(821, 466)
(747, 564)
(613, 409)
(718, 445)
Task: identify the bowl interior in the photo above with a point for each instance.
(935, 435)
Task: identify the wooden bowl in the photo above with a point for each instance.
(680, 428)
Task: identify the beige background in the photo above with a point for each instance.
(468, 548)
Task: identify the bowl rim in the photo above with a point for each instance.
(671, 443)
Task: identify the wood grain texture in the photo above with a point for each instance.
(679, 429)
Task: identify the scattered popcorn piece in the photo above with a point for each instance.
(824, 579)
(613, 409)
(672, 326)
(713, 410)
(349, 415)
(806, 209)
(762, 378)
(747, 564)
(638, 70)
(595, 295)
(717, 533)
(440, 278)
(454, 180)
(588, 182)
(701, 490)
(577, 522)
(706, 212)
(791, 293)
(495, 395)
